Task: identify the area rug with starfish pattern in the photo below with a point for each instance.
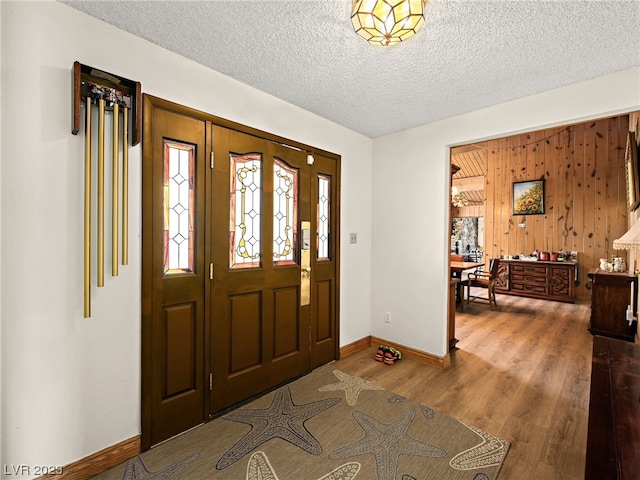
(327, 425)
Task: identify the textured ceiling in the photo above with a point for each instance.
(469, 55)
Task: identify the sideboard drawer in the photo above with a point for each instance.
(529, 269)
(533, 279)
(530, 288)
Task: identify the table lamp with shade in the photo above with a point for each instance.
(630, 240)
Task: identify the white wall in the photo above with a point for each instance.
(411, 206)
(1, 403)
(70, 385)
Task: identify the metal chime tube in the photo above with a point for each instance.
(114, 192)
(87, 211)
(101, 104)
(125, 187)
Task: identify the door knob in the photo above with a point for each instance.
(306, 269)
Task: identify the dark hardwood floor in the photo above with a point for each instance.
(521, 373)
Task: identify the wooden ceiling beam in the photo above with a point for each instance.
(469, 184)
(468, 148)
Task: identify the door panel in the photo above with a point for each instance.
(180, 336)
(286, 313)
(173, 317)
(324, 309)
(245, 320)
(325, 263)
(259, 329)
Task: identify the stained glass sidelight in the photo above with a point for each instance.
(324, 197)
(285, 206)
(178, 189)
(246, 210)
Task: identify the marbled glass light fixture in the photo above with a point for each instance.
(387, 22)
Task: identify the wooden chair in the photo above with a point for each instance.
(483, 279)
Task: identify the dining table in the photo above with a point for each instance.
(457, 268)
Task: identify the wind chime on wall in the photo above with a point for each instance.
(120, 99)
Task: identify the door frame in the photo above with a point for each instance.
(149, 104)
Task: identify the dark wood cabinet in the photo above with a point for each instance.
(613, 438)
(611, 293)
(545, 280)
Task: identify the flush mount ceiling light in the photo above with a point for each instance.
(458, 199)
(387, 22)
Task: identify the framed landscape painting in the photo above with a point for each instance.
(528, 197)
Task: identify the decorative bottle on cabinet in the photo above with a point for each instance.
(611, 294)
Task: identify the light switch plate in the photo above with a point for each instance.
(353, 238)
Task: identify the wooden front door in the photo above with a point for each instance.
(240, 265)
(259, 323)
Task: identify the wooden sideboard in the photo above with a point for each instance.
(545, 280)
(613, 436)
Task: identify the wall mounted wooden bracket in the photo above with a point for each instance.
(95, 83)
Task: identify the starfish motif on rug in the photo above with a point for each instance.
(135, 469)
(283, 419)
(489, 452)
(351, 385)
(397, 399)
(427, 412)
(259, 468)
(386, 442)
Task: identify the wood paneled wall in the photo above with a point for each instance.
(585, 193)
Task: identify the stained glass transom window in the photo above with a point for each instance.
(324, 198)
(285, 206)
(246, 210)
(178, 189)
